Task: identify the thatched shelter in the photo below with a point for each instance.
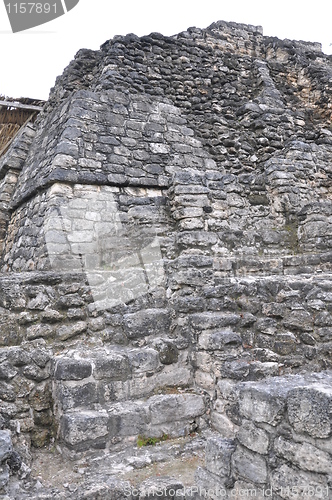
(14, 113)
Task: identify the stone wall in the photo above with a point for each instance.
(166, 232)
(283, 444)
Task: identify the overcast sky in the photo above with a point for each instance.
(31, 60)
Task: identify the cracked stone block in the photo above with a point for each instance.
(84, 430)
(148, 322)
(223, 425)
(263, 402)
(249, 466)
(291, 483)
(304, 455)
(310, 409)
(112, 366)
(6, 446)
(4, 476)
(219, 340)
(172, 407)
(72, 369)
(77, 396)
(218, 454)
(253, 438)
(128, 419)
(142, 360)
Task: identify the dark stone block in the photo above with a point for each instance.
(72, 369)
(113, 366)
(146, 322)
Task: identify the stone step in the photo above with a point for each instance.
(305, 398)
(116, 374)
(173, 415)
(288, 418)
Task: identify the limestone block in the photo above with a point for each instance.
(205, 381)
(290, 483)
(128, 419)
(4, 475)
(84, 429)
(249, 466)
(40, 398)
(142, 360)
(253, 437)
(218, 454)
(75, 396)
(7, 371)
(36, 373)
(72, 369)
(6, 392)
(223, 425)
(66, 332)
(219, 340)
(207, 320)
(263, 403)
(111, 366)
(299, 320)
(146, 322)
(168, 352)
(6, 446)
(172, 407)
(304, 455)
(310, 409)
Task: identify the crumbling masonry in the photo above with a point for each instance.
(166, 263)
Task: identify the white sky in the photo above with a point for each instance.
(32, 59)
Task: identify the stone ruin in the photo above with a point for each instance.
(166, 267)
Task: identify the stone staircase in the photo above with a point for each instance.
(112, 396)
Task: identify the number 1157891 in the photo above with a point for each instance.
(31, 8)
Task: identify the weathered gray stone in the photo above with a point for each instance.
(67, 332)
(205, 220)
(253, 437)
(83, 396)
(220, 340)
(37, 331)
(218, 454)
(263, 403)
(128, 419)
(168, 352)
(304, 455)
(288, 482)
(7, 371)
(82, 430)
(147, 322)
(142, 360)
(249, 466)
(175, 406)
(6, 446)
(209, 484)
(310, 410)
(4, 475)
(111, 366)
(72, 369)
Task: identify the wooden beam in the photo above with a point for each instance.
(15, 104)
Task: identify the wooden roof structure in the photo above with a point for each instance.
(14, 114)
